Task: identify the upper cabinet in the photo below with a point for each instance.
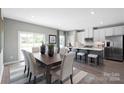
(89, 33)
(99, 35)
(108, 31)
(118, 30)
(113, 31)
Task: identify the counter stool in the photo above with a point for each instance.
(93, 57)
(81, 54)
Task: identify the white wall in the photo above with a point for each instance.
(11, 36)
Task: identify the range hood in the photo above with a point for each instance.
(88, 39)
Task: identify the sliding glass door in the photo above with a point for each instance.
(27, 40)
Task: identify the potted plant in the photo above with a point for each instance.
(43, 48)
(50, 50)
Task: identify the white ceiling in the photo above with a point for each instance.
(67, 18)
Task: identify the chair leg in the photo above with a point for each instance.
(30, 77)
(61, 82)
(34, 79)
(28, 72)
(71, 78)
(25, 69)
(80, 57)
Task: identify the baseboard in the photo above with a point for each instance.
(1, 73)
(13, 62)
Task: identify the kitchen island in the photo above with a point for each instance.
(90, 50)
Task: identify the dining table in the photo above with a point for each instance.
(48, 62)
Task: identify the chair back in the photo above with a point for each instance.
(67, 65)
(63, 51)
(35, 49)
(25, 58)
(32, 62)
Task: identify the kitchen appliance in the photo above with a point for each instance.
(114, 49)
(107, 44)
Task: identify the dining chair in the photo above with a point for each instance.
(26, 62)
(35, 69)
(35, 49)
(63, 51)
(66, 68)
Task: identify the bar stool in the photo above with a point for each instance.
(92, 57)
(82, 54)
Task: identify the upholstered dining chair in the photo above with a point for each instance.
(35, 69)
(66, 68)
(63, 51)
(26, 62)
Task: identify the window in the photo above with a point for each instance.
(27, 40)
(62, 41)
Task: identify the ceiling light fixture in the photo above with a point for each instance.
(101, 22)
(32, 16)
(92, 12)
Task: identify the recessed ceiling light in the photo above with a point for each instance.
(92, 12)
(101, 22)
(32, 16)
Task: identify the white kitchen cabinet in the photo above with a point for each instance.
(96, 35)
(86, 34)
(89, 33)
(99, 35)
(119, 30)
(109, 31)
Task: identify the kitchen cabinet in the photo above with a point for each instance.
(109, 31)
(113, 31)
(89, 33)
(119, 30)
(99, 35)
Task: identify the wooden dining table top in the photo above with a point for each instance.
(45, 59)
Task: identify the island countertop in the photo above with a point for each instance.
(87, 48)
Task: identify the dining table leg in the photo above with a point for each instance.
(48, 75)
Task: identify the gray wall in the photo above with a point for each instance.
(1, 45)
(11, 36)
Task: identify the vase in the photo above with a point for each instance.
(43, 49)
(51, 52)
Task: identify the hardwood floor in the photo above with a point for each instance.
(111, 72)
(6, 75)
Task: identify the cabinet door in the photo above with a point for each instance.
(86, 34)
(118, 30)
(96, 35)
(108, 31)
(102, 35)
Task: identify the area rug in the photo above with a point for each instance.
(17, 76)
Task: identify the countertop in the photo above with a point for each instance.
(87, 48)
